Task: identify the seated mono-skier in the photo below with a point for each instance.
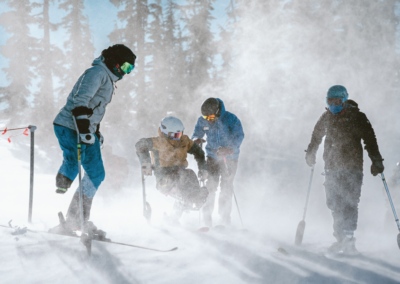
(87, 103)
(169, 151)
(225, 134)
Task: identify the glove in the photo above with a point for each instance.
(203, 175)
(377, 167)
(199, 141)
(82, 115)
(223, 152)
(310, 158)
(100, 137)
(147, 169)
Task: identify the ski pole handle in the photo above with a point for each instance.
(390, 200)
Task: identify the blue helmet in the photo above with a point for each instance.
(338, 91)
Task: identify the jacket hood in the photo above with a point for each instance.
(100, 61)
(351, 104)
(222, 107)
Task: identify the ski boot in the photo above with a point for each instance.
(349, 246)
(62, 183)
(64, 228)
(336, 247)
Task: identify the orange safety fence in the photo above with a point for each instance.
(4, 131)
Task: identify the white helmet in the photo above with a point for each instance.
(172, 127)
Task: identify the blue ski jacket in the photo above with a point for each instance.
(227, 131)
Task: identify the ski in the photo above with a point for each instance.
(20, 231)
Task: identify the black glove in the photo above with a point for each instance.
(82, 115)
(377, 167)
(310, 158)
(199, 141)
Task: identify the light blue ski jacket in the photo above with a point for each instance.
(94, 89)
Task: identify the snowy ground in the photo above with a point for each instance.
(214, 257)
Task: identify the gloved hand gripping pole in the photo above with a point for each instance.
(393, 209)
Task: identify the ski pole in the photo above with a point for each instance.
(86, 240)
(234, 195)
(302, 224)
(393, 209)
(32, 129)
(146, 205)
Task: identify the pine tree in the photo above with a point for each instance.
(226, 42)
(79, 46)
(48, 64)
(133, 34)
(21, 50)
(200, 41)
(158, 67)
(175, 55)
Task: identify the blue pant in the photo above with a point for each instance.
(90, 158)
(343, 191)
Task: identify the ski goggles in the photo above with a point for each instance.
(335, 101)
(127, 67)
(175, 136)
(209, 117)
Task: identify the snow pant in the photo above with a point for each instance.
(178, 181)
(218, 170)
(343, 190)
(90, 158)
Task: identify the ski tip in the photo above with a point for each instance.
(176, 248)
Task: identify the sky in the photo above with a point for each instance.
(102, 19)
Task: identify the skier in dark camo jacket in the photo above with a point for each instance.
(343, 126)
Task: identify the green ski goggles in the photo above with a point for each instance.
(127, 67)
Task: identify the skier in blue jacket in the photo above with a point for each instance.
(87, 102)
(224, 136)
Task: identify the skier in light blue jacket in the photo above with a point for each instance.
(87, 102)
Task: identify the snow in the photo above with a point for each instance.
(216, 257)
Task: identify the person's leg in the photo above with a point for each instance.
(190, 188)
(225, 197)
(68, 171)
(334, 201)
(212, 185)
(94, 169)
(351, 196)
(94, 175)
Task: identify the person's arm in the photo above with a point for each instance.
(198, 132)
(199, 156)
(371, 145)
(237, 133)
(316, 139)
(143, 147)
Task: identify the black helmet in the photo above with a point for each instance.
(211, 106)
(118, 54)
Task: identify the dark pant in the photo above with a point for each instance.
(179, 181)
(218, 169)
(343, 190)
